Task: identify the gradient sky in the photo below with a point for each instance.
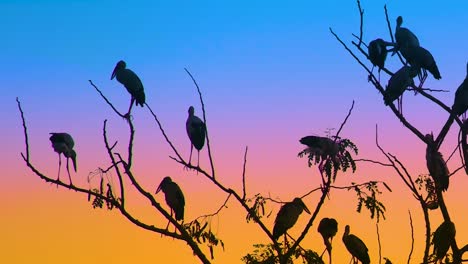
(270, 73)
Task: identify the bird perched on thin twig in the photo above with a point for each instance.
(63, 144)
(287, 216)
(323, 145)
(355, 246)
(397, 85)
(328, 228)
(174, 197)
(132, 83)
(436, 164)
(443, 238)
(378, 53)
(196, 131)
(460, 104)
(421, 59)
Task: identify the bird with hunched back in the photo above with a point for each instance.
(398, 83)
(436, 165)
(63, 143)
(460, 103)
(132, 83)
(404, 37)
(355, 246)
(196, 131)
(287, 216)
(328, 227)
(377, 50)
(174, 197)
(442, 239)
(421, 59)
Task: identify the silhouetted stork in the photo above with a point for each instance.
(378, 53)
(460, 104)
(397, 85)
(287, 216)
(404, 37)
(436, 164)
(324, 145)
(421, 59)
(196, 131)
(131, 81)
(63, 144)
(328, 228)
(443, 238)
(355, 246)
(174, 197)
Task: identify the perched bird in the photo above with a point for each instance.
(324, 145)
(131, 81)
(287, 216)
(421, 59)
(63, 144)
(174, 197)
(355, 246)
(436, 164)
(397, 85)
(460, 104)
(464, 144)
(378, 53)
(196, 131)
(404, 37)
(328, 228)
(443, 238)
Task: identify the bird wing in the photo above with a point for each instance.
(131, 81)
(64, 138)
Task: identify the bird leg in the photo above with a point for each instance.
(190, 159)
(60, 164)
(68, 170)
(127, 115)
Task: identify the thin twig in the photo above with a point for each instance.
(361, 14)
(114, 162)
(217, 211)
(391, 33)
(105, 99)
(376, 162)
(243, 173)
(412, 236)
(26, 140)
(204, 120)
(378, 241)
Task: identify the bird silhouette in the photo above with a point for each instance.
(460, 104)
(436, 165)
(355, 246)
(174, 197)
(404, 37)
(328, 228)
(421, 59)
(443, 238)
(131, 82)
(63, 144)
(324, 145)
(378, 53)
(287, 216)
(397, 85)
(196, 131)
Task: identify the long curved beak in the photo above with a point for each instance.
(159, 189)
(74, 162)
(113, 73)
(305, 208)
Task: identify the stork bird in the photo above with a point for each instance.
(443, 238)
(63, 144)
(323, 145)
(131, 82)
(460, 104)
(436, 164)
(287, 216)
(174, 197)
(328, 228)
(196, 131)
(422, 60)
(378, 53)
(355, 246)
(404, 37)
(397, 85)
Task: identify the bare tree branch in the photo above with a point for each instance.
(107, 101)
(243, 173)
(26, 140)
(412, 236)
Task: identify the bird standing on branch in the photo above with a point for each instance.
(356, 247)
(63, 144)
(421, 59)
(174, 197)
(196, 131)
(378, 53)
(131, 82)
(397, 85)
(287, 216)
(328, 228)
(436, 164)
(404, 38)
(443, 238)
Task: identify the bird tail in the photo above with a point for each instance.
(434, 70)
(179, 214)
(140, 97)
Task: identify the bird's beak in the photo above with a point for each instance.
(159, 189)
(74, 161)
(305, 208)
(389, 44)
(113, 72)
